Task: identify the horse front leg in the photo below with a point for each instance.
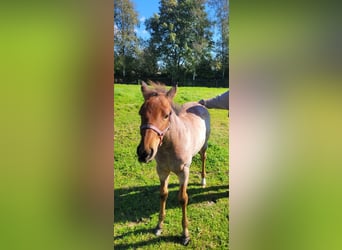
(163, 197)
(183, 200)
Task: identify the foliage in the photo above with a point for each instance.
(221, 8)
(136, 186)
(125, 38)
(146, 64)
(180, 34)
(188, 42)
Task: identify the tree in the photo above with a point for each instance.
(202, 44)
(180, 35)
(221, 8)
(125, 38)
(146, 62)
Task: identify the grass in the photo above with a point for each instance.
(136, 186)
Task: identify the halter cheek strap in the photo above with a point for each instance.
(157, 130)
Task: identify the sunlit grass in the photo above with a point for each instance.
(137, 186)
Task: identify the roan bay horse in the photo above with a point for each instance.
(172, 136)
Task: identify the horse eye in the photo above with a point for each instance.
(167, 116)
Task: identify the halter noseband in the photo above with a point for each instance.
(157, 130)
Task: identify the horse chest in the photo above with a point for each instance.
(173, 159)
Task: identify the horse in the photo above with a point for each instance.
(172, 136)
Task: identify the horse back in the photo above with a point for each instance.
(196, 109)
(198, 119)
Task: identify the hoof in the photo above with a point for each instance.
(204, 183)
(157, 231)
(185, 240)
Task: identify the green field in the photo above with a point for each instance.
(136, 185)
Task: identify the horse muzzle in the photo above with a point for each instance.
(145, 156)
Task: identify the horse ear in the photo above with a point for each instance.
(172, 92)
(144, 90)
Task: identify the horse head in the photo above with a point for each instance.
(155, 115)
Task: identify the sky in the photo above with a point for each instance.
(145, 9)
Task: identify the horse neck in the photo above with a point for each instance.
(176, 127)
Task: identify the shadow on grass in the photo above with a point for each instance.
(138, 203)
(148, 242)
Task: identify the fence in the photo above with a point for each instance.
(224, 83)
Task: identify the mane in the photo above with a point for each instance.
(176, 108)
(160, 88)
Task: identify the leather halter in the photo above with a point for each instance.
(157, 130)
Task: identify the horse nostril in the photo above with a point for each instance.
(142, 156)
(140, 150)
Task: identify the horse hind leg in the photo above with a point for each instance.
(163, 197)
(203, 153)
